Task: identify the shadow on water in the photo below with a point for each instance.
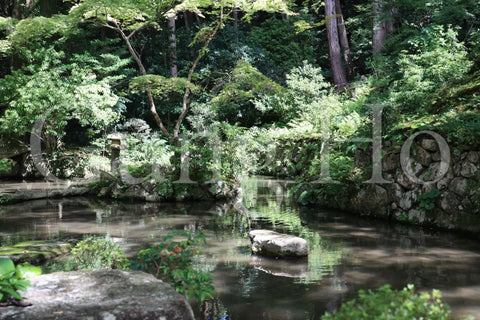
(347, 253)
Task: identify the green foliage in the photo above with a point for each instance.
(59, 91)
(285, 46)
(26, 270)
(164, 188)
(145, 152)
(427, 200)
(5, 165)
(235, 103)
(95, 252)
(163, 87)
(386, 303)
(32, 34)
(12, 279)
(4, 199)
(171, 260)
(434, 59)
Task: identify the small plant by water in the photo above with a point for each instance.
(99, 252)
(171, 260)
(427, 200)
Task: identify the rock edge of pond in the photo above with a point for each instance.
(100, 294)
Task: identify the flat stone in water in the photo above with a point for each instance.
(100, 294)
(271, 243)
(35, 252)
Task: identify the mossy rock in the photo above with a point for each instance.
(35, 252)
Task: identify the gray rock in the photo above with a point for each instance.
(152, 197)
(423, 157)
(473, 157)
(390, 162)
(431, 173)
(396, 191)
(437, 156)
(405, 181)
(468, 205)
(271, 243)
(415, 215)
(429, 144)
(406, 200)
(426, 187)
(443, 183)
(459, 186)
(372, 199)
(449, 202)
(468, 169)
(100, 294)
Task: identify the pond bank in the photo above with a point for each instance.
(103, 293)
(109, 186)
(449, 202)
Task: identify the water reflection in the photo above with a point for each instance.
(347, 253)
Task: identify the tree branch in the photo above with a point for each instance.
(143, 71)
(187, 98)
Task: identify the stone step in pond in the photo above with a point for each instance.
(35, 252)
(278, 245)
(100, 294)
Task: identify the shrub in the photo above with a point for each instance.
(95, 252)
(386, 303)
(5, 165)
(235, 103)
(171, 261)
(144, 153)
(436, 59)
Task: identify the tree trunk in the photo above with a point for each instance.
(21, 8)
(235, 19)
(143, 71)
(381, 25)
(342, 34)
(48, 7)
(188, 17)
(172, 38)
(338, 72)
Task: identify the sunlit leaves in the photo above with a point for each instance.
(59, 91)
(162, 86)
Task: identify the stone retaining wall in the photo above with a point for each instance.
(452, 202)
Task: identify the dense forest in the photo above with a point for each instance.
(255, 75)
(198, 95)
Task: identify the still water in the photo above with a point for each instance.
(347, 253)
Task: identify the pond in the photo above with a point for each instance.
(347, 253)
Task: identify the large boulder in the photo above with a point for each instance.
(100, 294)
(274, 244)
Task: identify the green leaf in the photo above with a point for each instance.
(26, 270)
(11, 293)
(7, 268)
